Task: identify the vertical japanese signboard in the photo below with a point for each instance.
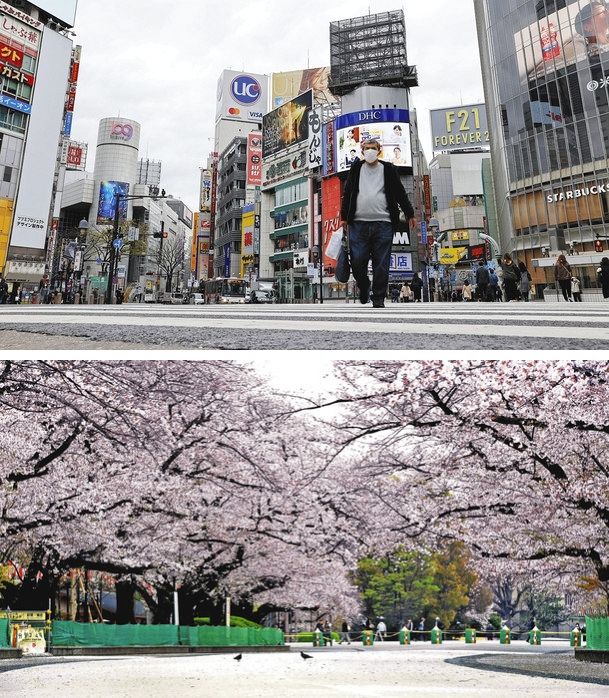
(254, 159)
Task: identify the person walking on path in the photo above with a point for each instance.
(3, 290)
(381, 629)
(563, 275)
(405, 293)
(494, 290)
(525, 282)
(417, 288)
(467, 292)
(374, 195)
(576, 288)
(483, 280)
(345, 635)
(511, 278)
(603, 276)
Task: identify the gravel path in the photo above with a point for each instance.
(351, 673)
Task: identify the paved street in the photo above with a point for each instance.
(352, 672)
(335, 326)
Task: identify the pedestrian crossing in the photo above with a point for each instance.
(431, 326)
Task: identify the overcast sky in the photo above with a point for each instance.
(158, 62)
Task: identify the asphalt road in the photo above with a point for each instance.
(333, 326)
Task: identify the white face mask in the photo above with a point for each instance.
(371, 156)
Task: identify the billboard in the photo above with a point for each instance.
(389, 126)
(287, 126)
(64, 10)
(287, 86)
(248, 223)
(254, 159)
(74, 155)
(577, 32)
(206, 190)
(242, 96)
(460, 128)
(33, 205)
(108, 192)
(331, 198)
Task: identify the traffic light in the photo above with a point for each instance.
(598, 246)
(161, 235)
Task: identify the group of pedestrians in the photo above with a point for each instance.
(408, 293)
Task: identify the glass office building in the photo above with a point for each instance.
(546, 73)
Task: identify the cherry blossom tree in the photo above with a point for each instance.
(510, 457)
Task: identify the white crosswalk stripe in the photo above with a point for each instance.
(552, 323)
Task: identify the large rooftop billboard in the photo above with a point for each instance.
(64, 10)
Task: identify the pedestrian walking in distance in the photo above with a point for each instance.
(603, 276)
(563, 274)
(381, 629)
(576, 288)
(483, 280)
(417, 288)
(345, 635)
(511, 278)
(525, 282)
(371, 207)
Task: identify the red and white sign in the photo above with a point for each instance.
(10, 73)
(29, 36)
(74, 155)
(11, 55)
(254, 159)
(331, 196)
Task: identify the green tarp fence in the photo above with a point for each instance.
(597, 633)
(4, 638)
(69, 634)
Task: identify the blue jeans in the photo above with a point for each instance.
(371, 241)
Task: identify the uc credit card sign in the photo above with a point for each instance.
(15, 104)
(242, 96)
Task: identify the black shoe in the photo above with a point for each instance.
(364, 296)
(378, 304)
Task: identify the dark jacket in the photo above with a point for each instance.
(394, 191)
(482, 276)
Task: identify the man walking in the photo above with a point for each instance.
(371, 207)
(483, 279)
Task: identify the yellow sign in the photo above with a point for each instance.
(452, 255)
(24, 616)
(6, 218)
(460, 236)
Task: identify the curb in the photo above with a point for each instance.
(141, 650)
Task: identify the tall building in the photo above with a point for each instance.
(118, 170)
(242, 101)
(545, 68)
(37, 93)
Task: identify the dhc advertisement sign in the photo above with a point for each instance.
(391, 127)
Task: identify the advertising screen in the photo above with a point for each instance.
(107, 201)
(391, 127)
(287, 86)
(460, 128)
(287, 126)
(65, 10)
(577, 32)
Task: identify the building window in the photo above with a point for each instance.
(8, 174)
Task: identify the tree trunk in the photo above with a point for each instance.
(72, 597)
(124, 603)
(164, 608)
